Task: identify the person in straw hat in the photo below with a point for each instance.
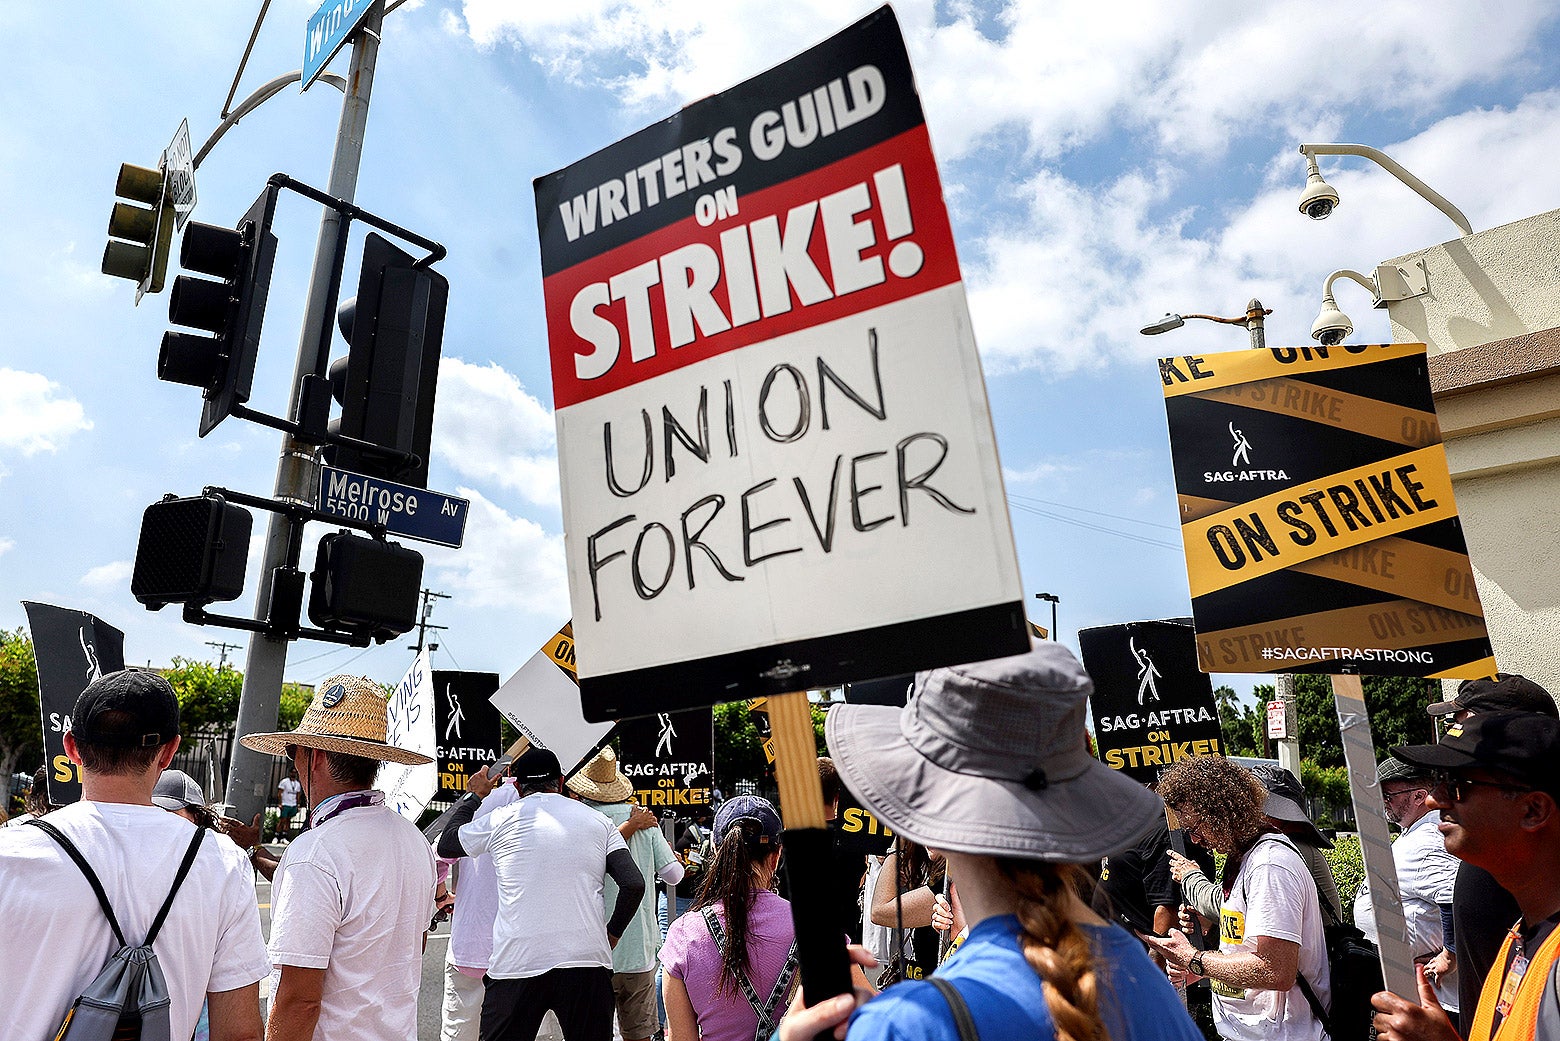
(353, 894)
(602, 786)
(988, 763)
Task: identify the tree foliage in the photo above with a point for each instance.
(1397, 715)
(21, 726)
(1242, 725)
(739, 744)
(208, 695)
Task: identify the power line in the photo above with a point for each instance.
(1097, 513)
(1128, 535)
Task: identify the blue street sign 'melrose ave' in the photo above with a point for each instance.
(327, 30)
(416, 513)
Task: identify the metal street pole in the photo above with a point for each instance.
(249, 777)
(1054, 599)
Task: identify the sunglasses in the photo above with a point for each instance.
(1459, 787)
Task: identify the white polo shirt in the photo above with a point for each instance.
(353, 895)
(550, 858)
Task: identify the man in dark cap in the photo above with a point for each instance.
(124, 732)
(552, 940)
(1496, 781)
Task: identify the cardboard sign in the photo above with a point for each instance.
(409, 789)
(72, 648)
(766, 380)
(669, 757)
(542, 701)
(1152, 706)
(1317, 514)
(467, 726)
(857, 830)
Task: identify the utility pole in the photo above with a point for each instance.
(428, 597)
(297, 469)
(224, 647)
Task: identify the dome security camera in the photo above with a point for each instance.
(1319, 198)
(1332, 326)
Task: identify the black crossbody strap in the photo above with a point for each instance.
(1316, 1006)
(178, 880)
(961, 1012)
(86, 869)
(764, 1013)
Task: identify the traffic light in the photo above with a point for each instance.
(365, 586)
(140, 230)
(387, 381)
(230, 306)
(190, 551)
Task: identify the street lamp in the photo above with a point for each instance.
(1320, 198)
(1054, 601)
(1252, 320)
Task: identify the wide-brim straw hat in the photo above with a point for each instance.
(350, 715)
(990, 759)
(601, 780)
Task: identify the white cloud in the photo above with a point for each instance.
(6, 545)
(490, 428)
(107, 576)
(506, 562)
(37, 414)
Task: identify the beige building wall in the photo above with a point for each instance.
(1491, 318)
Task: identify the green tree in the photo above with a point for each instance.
(295, 700)
(1240, 724)
(739, 743)
(1397, 715)
(208, 696)
(21, 726)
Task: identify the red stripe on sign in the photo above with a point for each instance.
(854, 235)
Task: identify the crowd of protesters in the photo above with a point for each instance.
(1031, 891)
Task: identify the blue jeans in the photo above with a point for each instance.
(683, 903)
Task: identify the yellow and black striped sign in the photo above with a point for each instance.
(561, 650)
(1317, 514)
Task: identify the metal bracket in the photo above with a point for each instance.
(1395, 282)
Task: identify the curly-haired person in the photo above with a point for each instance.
(1271, 944)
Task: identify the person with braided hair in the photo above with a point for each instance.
(730, 962)
(988, 764)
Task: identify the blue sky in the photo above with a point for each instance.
(1104, 164)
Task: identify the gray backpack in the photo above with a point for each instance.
(129, 999)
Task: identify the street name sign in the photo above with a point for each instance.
(416, 513)
(327, 30)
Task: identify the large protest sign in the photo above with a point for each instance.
(542, 701)
(1317, 513)
(769, 403)
(670, 758)
(467, 726)
(72, 648)
(1152, 705)
(409, 789)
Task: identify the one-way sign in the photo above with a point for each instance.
(416, 513)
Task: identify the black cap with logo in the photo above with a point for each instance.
(1525, 745)
(1504, 693)
(128, 709)
(536, 765)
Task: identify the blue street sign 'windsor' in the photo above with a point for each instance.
(415, 513)
(327, 30)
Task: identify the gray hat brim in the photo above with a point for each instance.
(1283, 808)
(1076, 820)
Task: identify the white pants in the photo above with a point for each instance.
(463, 1009)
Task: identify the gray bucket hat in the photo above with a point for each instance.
(990, 759)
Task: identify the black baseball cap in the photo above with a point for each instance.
(128, 709)
(1504, 693)
(534, 765)
(1525, 745)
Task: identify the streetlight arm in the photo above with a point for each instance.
(263, 93)
(1393, 167)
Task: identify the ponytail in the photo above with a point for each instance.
(728, 878)
(1055, 947)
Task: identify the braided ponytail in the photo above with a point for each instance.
(1055, 947)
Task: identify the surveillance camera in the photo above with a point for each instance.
(1330, 337)
(1332, 326)
(1320, 209)
(1319, 198)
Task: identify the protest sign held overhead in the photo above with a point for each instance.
(410, 720)
(467, 725)
(1152, 706)
(542, 701)
(769, 403)
(1320, 530)
(72, 649)
(669, 756)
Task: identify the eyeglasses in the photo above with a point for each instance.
(1389, 796)
(1459, 788)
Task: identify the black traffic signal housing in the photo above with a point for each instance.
(140, 229)
(387, 381)
(191, 551)
(366, 587)
(230, 308)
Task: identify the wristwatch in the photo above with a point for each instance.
(1196, 964)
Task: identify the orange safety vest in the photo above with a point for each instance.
(1520, 1023)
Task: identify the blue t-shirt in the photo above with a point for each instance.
(1005, 997)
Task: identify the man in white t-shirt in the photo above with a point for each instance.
(1426, 873)
(1271, 943)
(552, 940)
(289, 789)
(353, 894)
(125, 730)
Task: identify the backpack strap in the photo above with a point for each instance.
(765, 1011)
(961, 1011)
(1300, 981)
(86, 869)
(178, 880)
(1316, 1006)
